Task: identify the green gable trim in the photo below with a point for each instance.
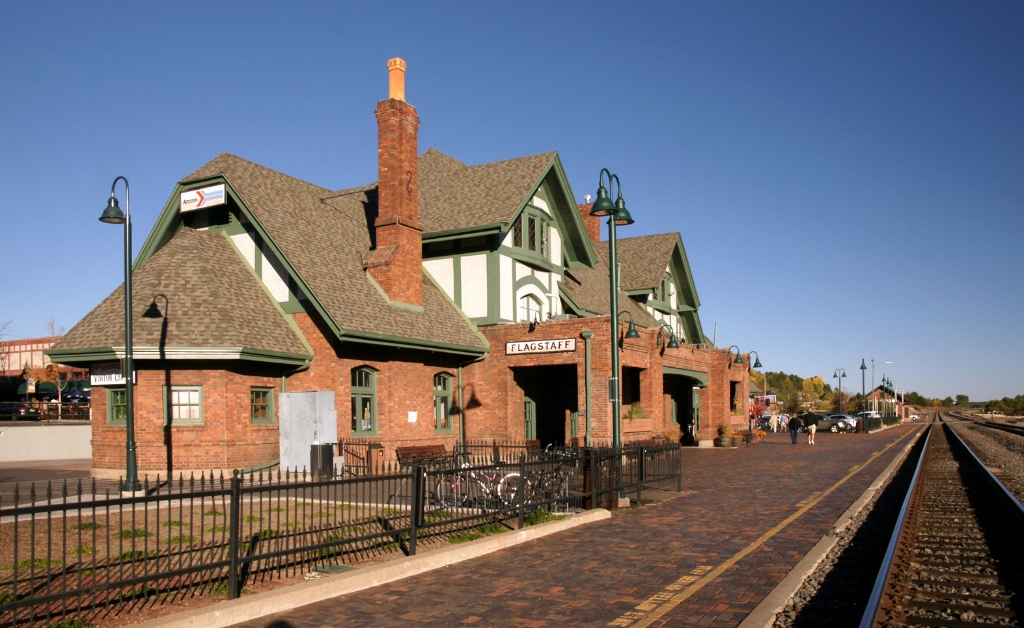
(170, 222)
(454, 234)
(702, 378)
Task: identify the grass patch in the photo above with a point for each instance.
(6, 598)
(324, 513)
(135, 555)
(133, 533)
(492, 528)
(85, 549)
(38, 563)
(172, 522)
(222, 590)
(141, 592)
(252, 519)
(435, 515)
(219, 529)
(86, 526)
(277, 510)
(213, 513)
(184, 538)
(462, 537)
(268, 534)
(541, 516)
(290, 524)
(72, 623)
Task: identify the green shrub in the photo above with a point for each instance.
(136, 555)
(85, 549)
(219, 529)
(184, 538)
(462, 537)
(541, 516)
(172, 522)
(213, 513)
(252, 519)
(86, 526)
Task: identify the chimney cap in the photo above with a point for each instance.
(396, 79)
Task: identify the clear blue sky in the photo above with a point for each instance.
(848, 179)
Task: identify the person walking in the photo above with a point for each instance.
(774, 421)
(794, 428)
(811, 423)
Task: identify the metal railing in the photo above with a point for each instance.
(77, 550)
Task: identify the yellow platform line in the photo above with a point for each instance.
(656, 606)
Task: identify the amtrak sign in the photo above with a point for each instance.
(202, 198)
(540, 346)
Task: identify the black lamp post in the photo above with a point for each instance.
(112, 214)
(617, 215)
(863, 384)
(840, 373)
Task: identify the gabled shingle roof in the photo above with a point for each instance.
(456, 196)
(589, 288)
(213, 301)
(324, 235)
(643, 259)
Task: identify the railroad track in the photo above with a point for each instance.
(996, 425)
(956, 557)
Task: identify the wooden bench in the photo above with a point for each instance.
(420, 453)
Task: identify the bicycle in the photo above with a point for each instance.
(494, 490)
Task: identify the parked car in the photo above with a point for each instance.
(870, 414)
(842, 423)
(914, 417)
(15, 410)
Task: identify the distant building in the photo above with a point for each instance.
(17, 355)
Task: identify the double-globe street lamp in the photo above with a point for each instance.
(840, 373)
(617, 216)
(112, 214)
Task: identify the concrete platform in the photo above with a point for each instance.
(746, 518)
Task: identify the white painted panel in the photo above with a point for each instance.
(556, 247)
(507, 308)
(443, 272)
(544, 277)
(541, 204)
(522, 270)
(672, 294)
(507, 240)
(273, 276)
(474, 285)
(246, 247)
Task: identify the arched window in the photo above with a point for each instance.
(443, 402)
(529, 309)
(364, 401)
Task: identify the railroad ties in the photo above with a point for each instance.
(959, 557)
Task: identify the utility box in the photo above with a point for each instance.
(321, 461)
(305, 419)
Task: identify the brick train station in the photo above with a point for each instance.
(440, 304)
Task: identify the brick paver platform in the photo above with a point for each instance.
(658, 565)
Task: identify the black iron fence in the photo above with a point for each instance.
(76, 550)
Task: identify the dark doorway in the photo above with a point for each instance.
(682, 404)
(549, 396)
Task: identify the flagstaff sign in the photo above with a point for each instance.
(202, 198)
(540, 346)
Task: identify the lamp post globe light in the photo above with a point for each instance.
(617, 215)
(112, 214)
(840, 373)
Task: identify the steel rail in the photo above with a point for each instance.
(1012, 501)
(875, 601)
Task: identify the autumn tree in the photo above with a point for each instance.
(52, 373)
(963, 401)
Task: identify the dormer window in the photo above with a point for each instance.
(529, 309)
(530, 232)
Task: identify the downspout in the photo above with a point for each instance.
(587, 335)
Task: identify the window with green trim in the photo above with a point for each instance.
(530, 232)
(262, 405)
(443, 402)
(117, 406)
(529, 309)
(364, 401)
(185, 404)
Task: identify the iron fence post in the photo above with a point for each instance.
(495, 454)
(679, 469)
(641, 475)
(522, 490)
(235, 531)
(416, 508)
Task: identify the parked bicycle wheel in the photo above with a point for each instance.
(452, 490)
(508, 489)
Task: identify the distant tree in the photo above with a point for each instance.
(813, 388)
(793, 404)
(947, 402)
(1006, 405)
(52, 373)
(962, 401)
(916, 399)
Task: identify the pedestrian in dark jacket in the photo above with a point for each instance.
(811, 423)
(794, 427)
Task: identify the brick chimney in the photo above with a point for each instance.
(397, 262)
(592, 223)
